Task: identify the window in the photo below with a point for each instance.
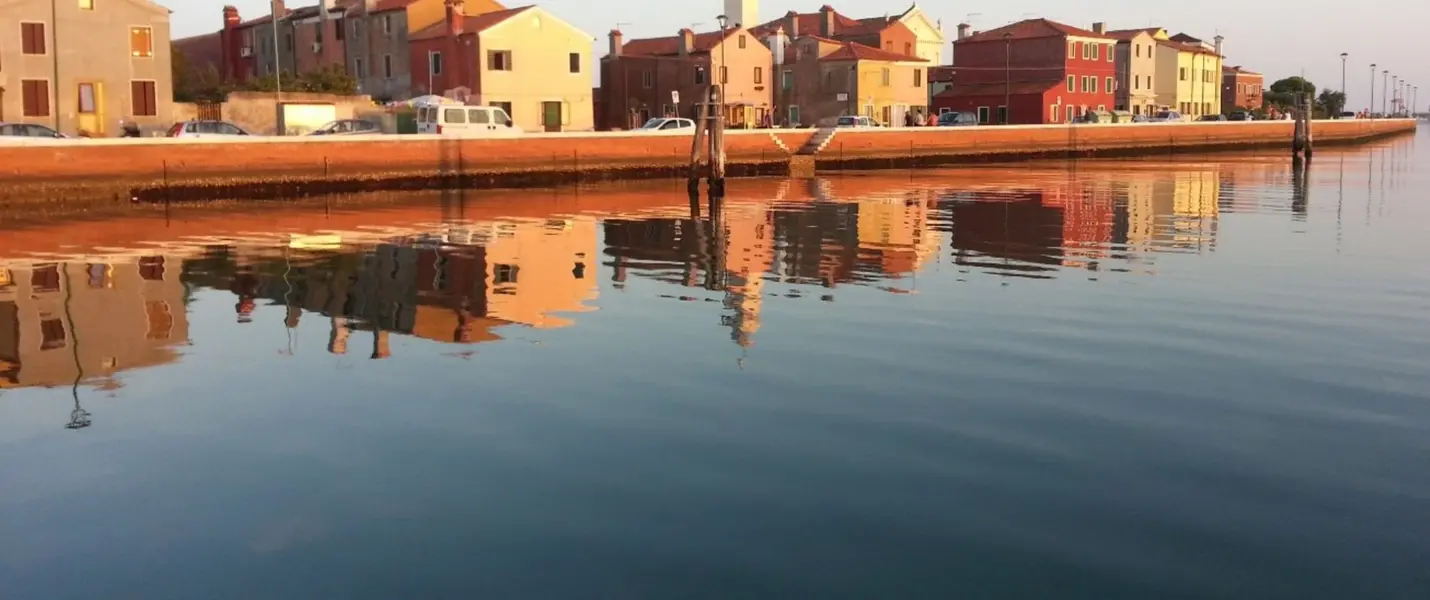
(1182, 74)
(793, 115)
(918, 77)
(573, 61)
(144, 98)
(742, 42)
(908, 49)
(1053, 113)
(1072, 83)
(387, 24)
(724, 74)
(1070, 111)
(1102, 108)
(1086, 51)
(454, 115)
(45, 278)
(479, 116)
(86, 4)
(35, 97)
(86, 98)
(339, 30)
(1093, 48)
(886, 77)
(387, 66)
(357, 68)
(699, 75)
(505, 274)
(1137, 49)
(1110, 53)
(504, 106)
(32, 38)
(1136, 83)
(1093, 81)
(1111, 85)
(151, 268)
(647, 79)
(788, 82)
(1003, 115)
(52, 334)
(434, 63)
(1072, 49)
(759, 75)
(499, 60)
(318, 32)
(983, 114)
(288, 42)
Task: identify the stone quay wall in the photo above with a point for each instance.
(124, 169)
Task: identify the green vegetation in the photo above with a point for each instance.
(206, 84)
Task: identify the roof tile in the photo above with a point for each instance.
(1033, 28)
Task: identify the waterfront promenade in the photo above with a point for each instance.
(168, 169)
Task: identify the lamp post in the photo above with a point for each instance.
(723, 71)
(1343, 74)
(1394, 94)
(1384, 91)
(1007, 78)
(1371, 109)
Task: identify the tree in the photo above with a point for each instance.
(1333, 103)
(1285, 92)
(328, 80)
(195, 84)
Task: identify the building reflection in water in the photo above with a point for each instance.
(63, 324)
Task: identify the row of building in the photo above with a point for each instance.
(87, 65)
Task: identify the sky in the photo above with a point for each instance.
(1278, 38)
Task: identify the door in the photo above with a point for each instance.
(551, 116)
(90, 116)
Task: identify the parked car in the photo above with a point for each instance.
(1241, 115)
(29, 130)
(957, 119)
(1167, 116)
(1209, 118)
(348, 127)
(856, 121)
(1096, 116)
(205, 128)
(465, 121)
(668, 124)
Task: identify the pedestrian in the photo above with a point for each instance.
(932, 120)
(909, 119)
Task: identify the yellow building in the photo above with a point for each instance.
(1188, 74)
(896, 233)
(537, 270)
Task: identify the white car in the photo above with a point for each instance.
(856, 121)
(203, 129)
(668, 124)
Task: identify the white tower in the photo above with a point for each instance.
(743, 13)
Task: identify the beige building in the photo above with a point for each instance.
(85, 65)
(525, 60)
(828, 78)
(1188, 74)
(1136, 70)
(377, 38)
(85, 322)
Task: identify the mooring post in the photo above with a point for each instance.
(717, 145)
(1298, 134)
(1307, 104)
(701, 114)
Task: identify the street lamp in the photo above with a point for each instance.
(722, 72)
(1384, 91)
(1007, 77)
(1395, 94)
(1371, 109)
(1343, 74)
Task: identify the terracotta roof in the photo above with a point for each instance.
(471, 24)
(813, 24)
(853, 51)
(1182, 37)
(1184, 47)
(992, 89)
(1127, 34)
(1236, 69)
(670, 46)
(1033, 28)
(201, 50)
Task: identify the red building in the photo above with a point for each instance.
(1047, 71)
(1240, 88)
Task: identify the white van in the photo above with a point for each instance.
(465, 121)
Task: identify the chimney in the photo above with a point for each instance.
(777, 42)
(826, 21)
(230, 17)
(963, 29)
(687, 41)
(455, 17)
(324, 8)
(279, 10)
(617, 42)
(1099, 28)
(792, 24)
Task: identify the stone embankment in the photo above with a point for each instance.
(174, 169)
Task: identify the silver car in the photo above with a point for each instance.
(204, 128)
(29, 130)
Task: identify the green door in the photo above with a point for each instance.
(551, 116)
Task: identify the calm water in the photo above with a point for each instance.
(1143, 379)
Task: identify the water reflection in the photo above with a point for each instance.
(438, 274)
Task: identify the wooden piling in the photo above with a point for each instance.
(697, 142)
(716, 182)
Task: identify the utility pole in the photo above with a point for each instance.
(1007, 78)
(1371, 108)
(277, 64)
(55, 57)
(1384, 92)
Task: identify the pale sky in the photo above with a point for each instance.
(1279, 38)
